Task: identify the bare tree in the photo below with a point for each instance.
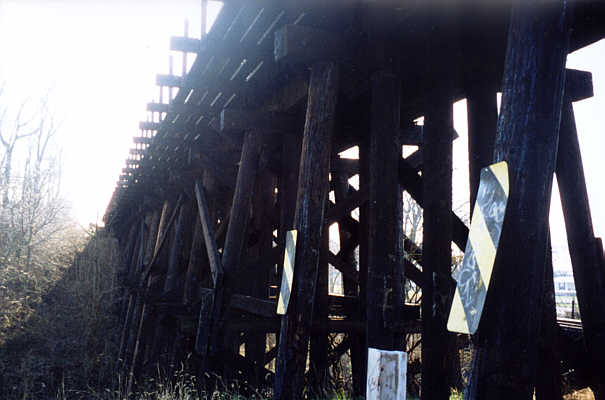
(32, 211)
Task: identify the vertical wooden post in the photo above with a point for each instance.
(482, 111)
(583, 248)
(309, 221)
(257, 280)
(319, 340)
(440, 370)
(527, 137)
(548, 379)
(384, 301)
(438, 344)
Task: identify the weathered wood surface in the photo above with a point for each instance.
(385, 236)
(438, 345)
(308, 220)
(527, 137)
(548, 377)
(318, 351)
(482, 111)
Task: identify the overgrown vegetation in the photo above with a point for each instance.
(58, 331)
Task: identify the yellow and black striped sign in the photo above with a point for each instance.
(476, 270)
(288, 273)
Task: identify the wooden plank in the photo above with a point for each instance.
(385, 236)
(527, 137)
(309, 221)
(253, 305)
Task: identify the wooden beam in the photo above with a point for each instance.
(527, 137)
(343, 208)
(300, 44)
(589, 275)
(578, 84)
(186, 44)
(482, 114)
(216, 265)
(319, 345)
(385, 236)
(346, 268)
(548, 382)
(253, 305)
(174, 107)
(437, 231)
(309, 221)
(233, 120)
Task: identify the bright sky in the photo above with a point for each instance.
(100, 58)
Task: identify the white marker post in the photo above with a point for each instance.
(387, 372)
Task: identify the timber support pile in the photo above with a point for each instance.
(293, 117)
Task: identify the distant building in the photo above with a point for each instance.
(565, 295)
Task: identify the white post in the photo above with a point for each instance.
(387, 371)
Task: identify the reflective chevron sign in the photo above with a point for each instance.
(474, 275)
(288, 274)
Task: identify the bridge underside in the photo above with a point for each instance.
(293, 116)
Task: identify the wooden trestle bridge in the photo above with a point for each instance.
(248, 148)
